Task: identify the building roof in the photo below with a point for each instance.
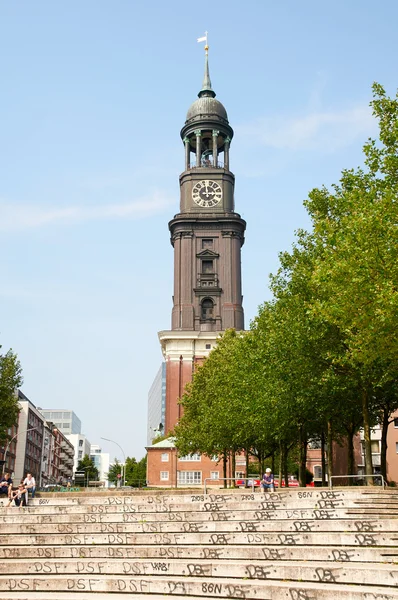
(206, 106)
(167, 443)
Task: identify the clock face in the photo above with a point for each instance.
(207, 193)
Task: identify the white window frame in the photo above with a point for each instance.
(189, 477)
(191, 458)
(214, 475)
(164, 457)
(164, 475)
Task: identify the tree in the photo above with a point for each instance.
(356, 274)
(115, 472)
(86, 465)
(136, 472)
(10, 380)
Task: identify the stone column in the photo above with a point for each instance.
(198, 134)
(187, 153)
(215, 157)
(226, 153)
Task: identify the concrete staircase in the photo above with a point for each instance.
(290, 545)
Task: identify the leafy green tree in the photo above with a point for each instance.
(10, 380)
(86, 464)
(115, 472)
(136, 472)
(356, 274)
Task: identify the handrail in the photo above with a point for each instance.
(228, 479)
(358, 477)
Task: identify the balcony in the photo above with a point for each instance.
(207, 164)
(207, 281)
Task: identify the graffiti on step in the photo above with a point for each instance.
(199, 570)
(366, 526)
(212, 553)
(273, 554)
(221, 516)
(324, 514)
(326, 575)
(226, 590)
(220, 538)
(257, 571)
(342, 555)
(303, 526)
(365, 540)
(300, 594)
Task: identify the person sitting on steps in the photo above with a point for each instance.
(267, 482)
(19, 496)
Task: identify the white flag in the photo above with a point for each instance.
(202, 39)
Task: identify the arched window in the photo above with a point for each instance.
(207, 309)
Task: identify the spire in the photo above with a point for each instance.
(206, 90)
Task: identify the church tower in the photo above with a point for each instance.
(207, 235)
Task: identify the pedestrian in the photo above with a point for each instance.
(30, 484)
(267, 482)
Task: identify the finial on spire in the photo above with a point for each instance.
(206, 90)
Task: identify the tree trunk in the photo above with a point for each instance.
(367, 439)
(383, 450)
(281, 460)
(225, 455)
(233, 457)
(303, 456)
(273, 462)
(323, 459)
(330, 451)
(285, 471)
(350, 449)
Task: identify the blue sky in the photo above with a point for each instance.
(94, 95)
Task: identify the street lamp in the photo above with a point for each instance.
(10, 442)
(124, 458)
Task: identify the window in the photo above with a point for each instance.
(188, 477)
(207, 309)
(214, 458)
(164, 457)
(239, 475)
(214, 474)
(317, 472)
(208, 346)
(375, 446)
(80, 443)
(190, 457)
(164, 475)
(80, 455)
(207, 244)
(207, 266)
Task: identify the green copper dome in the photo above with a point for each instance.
(206, 108)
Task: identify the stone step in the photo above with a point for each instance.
(273, 591)
(191, 586)
(298, 538)
(268, 524)
(386, 554)
(337, 572)
(162, 498)
(25, 517)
